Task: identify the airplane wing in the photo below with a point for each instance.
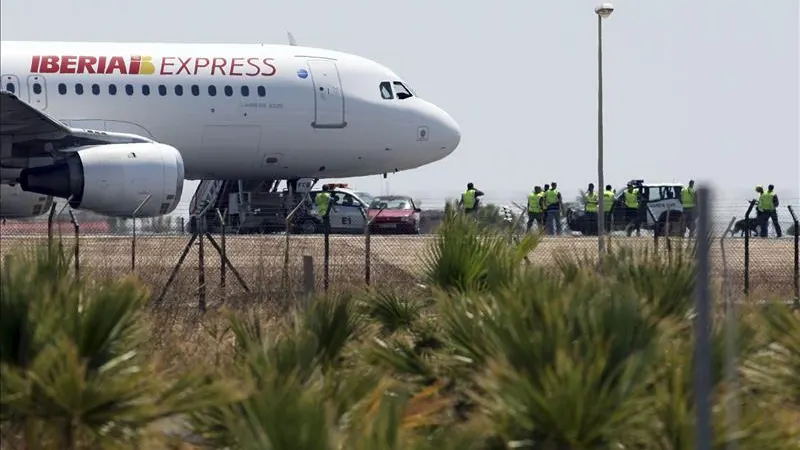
(33, 132)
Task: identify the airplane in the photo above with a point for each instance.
(104, 125)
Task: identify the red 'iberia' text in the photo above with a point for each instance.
(144, 65)
(91, 64)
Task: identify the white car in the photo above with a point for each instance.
(347, 215)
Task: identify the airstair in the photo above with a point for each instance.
(205, 197)
(246, 206)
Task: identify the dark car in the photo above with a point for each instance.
(394, 214)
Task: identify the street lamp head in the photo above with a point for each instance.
(604, 10)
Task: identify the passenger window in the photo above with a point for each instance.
(245, 91)
(112, 89)
(162, 90)
(145, 89)
(262, 91)
(228, 91)
(401, 91)
(129, 89)
(78, 89)
(10, 87)
(349, 200)
(178, 90)
(37, 88)
(96, 89)
(212, 90)
(386, 90)
(195, 90)
(62, 88)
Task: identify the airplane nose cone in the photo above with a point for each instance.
(448, 131)
(452, 132)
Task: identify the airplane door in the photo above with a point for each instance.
(328, 95)
(37, 92)
(11, 84)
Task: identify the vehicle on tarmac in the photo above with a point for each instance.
(394, 214)
(347, 215)
(660, 208)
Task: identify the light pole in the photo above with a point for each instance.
(602, 11)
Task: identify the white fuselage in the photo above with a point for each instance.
(235, 111)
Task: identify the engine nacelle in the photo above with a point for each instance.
(17, 204)
(114, 179)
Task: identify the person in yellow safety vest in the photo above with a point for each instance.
(688, 202)
(323, 201)
(768, 207)
(590, 206)
(631, 197)
(535, 207)
(608, 202)
(552, 199)
(469, 199)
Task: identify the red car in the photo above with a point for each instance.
(393, 214)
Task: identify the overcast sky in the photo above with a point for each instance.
(703, 89)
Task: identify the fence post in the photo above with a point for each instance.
(368, 246)
(326, 220)
(667, 235)
(747, 246)
(796, 257)
(77, 227)
(133, 221)
(50, 226)
(309, 280)
(655, 227)
(222, 255)
(201, 265)
(702, 356)
(725, 290)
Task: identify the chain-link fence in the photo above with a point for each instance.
(206, 268)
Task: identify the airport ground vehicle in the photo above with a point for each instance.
(394, 214)
(660, 208)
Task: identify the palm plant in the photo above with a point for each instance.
(468, 256)
(73, 370)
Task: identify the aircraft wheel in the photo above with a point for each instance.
(308, 227)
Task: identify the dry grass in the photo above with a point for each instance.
(394, 260)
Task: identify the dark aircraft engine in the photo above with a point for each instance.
(114, 179)
(18, 204)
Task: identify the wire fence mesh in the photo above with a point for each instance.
(180, 267)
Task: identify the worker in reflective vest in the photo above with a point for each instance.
(688, 202)
(768, 206)
(535, 207)
(469, 199)
(323, 201)
(590, 206)
(631, 197)
(553, 209)
(608, 202)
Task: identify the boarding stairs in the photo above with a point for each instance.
(246, 206)
(205, 197)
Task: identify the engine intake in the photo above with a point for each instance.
(114, 179)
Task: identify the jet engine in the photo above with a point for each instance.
(113, 179)
(17, 204)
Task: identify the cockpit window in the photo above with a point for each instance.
(402, 91)
(386, 90)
